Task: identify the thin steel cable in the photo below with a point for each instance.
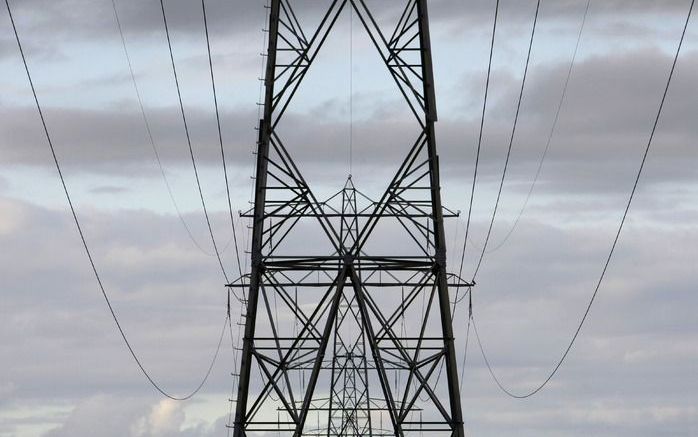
(220, 138)
(351, 90)
(456, 299)
(479, 145)
(511, 142)
(540, 164)
(84, 240)
(613, 246)
(191, 150)
(148, 130)
(553, 128)
(465, 353)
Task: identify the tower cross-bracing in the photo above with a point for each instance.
(356, 339)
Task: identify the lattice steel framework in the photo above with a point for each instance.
(355, 340)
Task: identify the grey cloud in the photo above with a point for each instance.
(109, 189)
(603, 126)
(240, 16)
(52, 281)
(527, 301)
(48, 23)
(632, 371)
(475, 17)
(111, 416)
(96, 140)
(69, 19)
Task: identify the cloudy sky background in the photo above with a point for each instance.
(65, 371)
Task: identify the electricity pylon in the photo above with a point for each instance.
(351, 338)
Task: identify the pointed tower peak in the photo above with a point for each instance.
(349, 184)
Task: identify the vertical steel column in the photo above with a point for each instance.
(437, 211)
(265, 130)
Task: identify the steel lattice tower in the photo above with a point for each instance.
(348, 342)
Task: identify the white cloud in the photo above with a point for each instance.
(132, 417)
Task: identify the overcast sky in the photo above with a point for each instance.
(633, 371)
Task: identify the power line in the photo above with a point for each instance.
(553, 128)
(220, 138)
(465, 350)
(557, 115)
(501, 184)
(191, 150)
(613, 246)
(479, 144)
(146, 123)
(351, 90)
(456, 299)
(511, 142)
(86, 247)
